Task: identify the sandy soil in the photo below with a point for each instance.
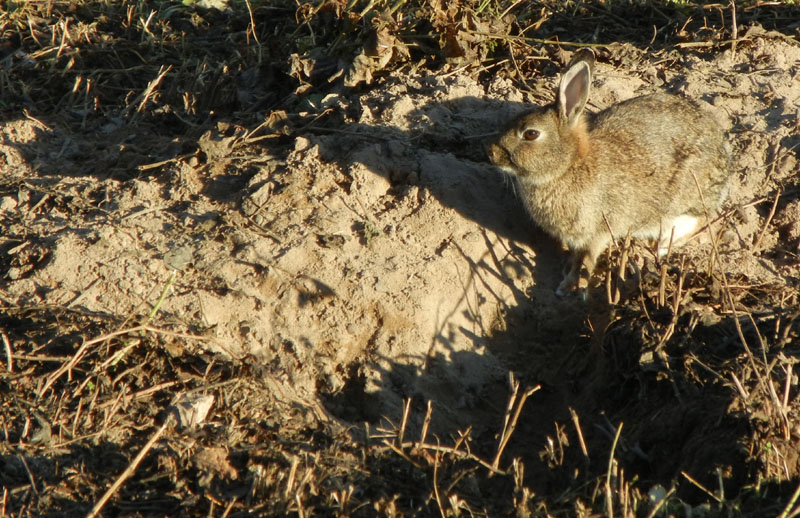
(377, 256)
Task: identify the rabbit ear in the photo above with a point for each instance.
(573, 91)
(585, 54)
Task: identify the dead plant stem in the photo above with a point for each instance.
(727, 291)
(83, 349)
(788, 512)
(151, 87)
(426, 423)
(163, 297)
(28, 472)
(700, 486)
(253, 29)
(130, 469)
(230, 505)
(507, 37)
(292, 477)
(404, 421)
(9, 356)
(761, 234)
(734, 29)
(398, 449)
(436, 484)
(515, 405)
(660, 503)
(576, 421)
(609, 501)
(448, 449)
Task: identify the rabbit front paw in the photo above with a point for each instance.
(571, 285)
(576, 279)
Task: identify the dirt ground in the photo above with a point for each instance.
(359, 251)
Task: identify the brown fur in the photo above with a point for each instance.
(634, 166)
(581, 134)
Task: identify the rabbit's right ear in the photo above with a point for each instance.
(573, 90)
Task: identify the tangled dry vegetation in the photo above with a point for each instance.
(106, 413)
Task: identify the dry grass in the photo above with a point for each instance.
(82, 394)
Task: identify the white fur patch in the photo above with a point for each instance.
(681, 227)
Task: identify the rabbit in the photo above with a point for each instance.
(656, 166)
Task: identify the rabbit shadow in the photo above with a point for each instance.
(443, 154)
(587, 368)
(589, 386)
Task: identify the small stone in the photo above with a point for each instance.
(179, 258)
(7, 204)
(301, 144)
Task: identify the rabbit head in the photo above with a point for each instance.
(540, 145)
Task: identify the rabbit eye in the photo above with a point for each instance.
(530, 134)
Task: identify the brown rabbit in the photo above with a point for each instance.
(655, 165)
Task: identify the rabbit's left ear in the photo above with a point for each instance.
(573, 91)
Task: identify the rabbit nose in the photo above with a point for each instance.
(497, 155)
(491, 150)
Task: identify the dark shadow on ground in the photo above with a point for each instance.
(601, 368)
(596, 366)
(677, 416)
